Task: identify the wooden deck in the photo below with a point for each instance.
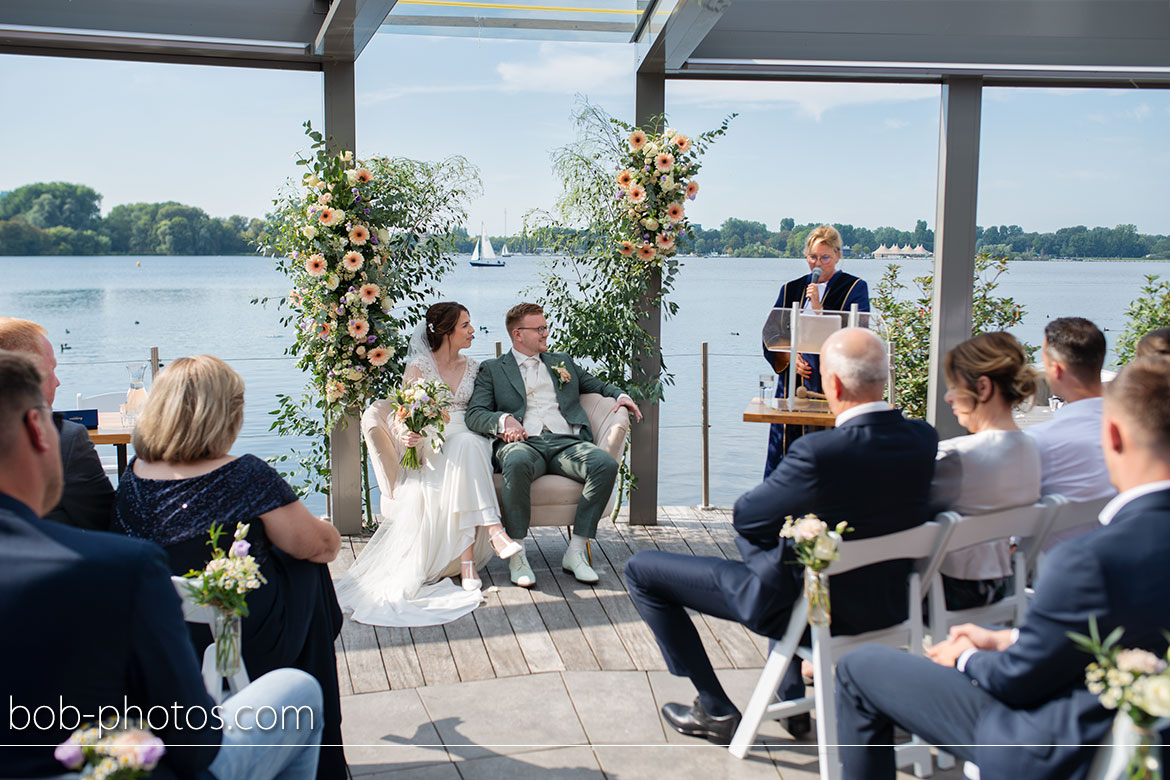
(560, 625)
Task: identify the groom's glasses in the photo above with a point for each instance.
(542, 330)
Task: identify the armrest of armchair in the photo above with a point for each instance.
(384, 447)
(609, 429)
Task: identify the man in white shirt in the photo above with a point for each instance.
(1025, 687)
(529, 399)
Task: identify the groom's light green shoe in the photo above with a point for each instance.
(520, 570)
(574, 563)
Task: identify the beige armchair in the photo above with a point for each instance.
(554, 498)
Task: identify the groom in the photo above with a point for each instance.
(529, 399)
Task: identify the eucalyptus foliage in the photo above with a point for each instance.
(908, 320)
(1149, 311)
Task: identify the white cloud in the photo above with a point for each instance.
(896, 124)
(812, 99)
(571, 68)
(1140, 112)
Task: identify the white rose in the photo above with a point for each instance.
(324, 198)
(353, 374)
(351, 175)
(668, 183)
(650, 150)
(1139, 661)
(650, 223)
(825, 548)
(311, 180)
(1152, 695)
(361, 350)
(331, 281)
(383, 235)
(808, 527)
(669, 132)
(309, 232)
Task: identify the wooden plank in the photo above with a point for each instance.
(502, 648)
(717, 521)
(607, 646)
(362, 654)
(540, 653)
(467, 649)
(636, 635)
(399, 657)
(434, 655)
(344, 685)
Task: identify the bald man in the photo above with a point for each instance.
(873, 470)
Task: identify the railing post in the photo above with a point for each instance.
(153, 363)
(706, 428)
(499, 348)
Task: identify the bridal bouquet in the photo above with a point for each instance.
(1134, 681)
(100, 754)
(815, 547)
(421, 407)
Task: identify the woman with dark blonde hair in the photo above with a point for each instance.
(182, 479)
(823, 287)
(996, 467)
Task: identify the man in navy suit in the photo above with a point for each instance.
(93, 630)
(988, 689)
(873, 470)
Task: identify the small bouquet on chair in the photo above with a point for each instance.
(423, 407)
(1135, 682)
(110, 753)
(223, 584)
(815, 547)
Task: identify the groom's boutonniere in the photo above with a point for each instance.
(562, 374)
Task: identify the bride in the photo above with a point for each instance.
(437, 509)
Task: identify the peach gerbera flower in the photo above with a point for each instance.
(637, 140)
(646, 252)
(368, 293)
(682, 142)
(363, 175)
(624, 178)
(664, 161)
(626, 248)
(692, 188)
(358, 328)
(325, 331)
(636, 193)
(378, 356)
(327, 216)
(352, 261)
(359, 235)
(665, 241)
(315, 265)
(674, 212)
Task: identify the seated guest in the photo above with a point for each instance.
(183, 479)
(88, 499)
(1027, 687)
(873, 470)
(997, 466)
(1156, 342)
(92, 625)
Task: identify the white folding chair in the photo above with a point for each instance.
(194, 613)
(1067, 520)
(1026, 522)
(923, 544)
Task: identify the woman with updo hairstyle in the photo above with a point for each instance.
(996, 466)
(445, 511)
(822, 288)
(1156, 343)
(183, 478)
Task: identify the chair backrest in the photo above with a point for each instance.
(103, 402)
(923, 543)
(1066, 520)
(1027, 522)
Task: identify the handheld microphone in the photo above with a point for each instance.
(814, 277)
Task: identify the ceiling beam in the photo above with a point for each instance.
(349, 26)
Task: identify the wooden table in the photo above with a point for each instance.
(758, 411)
(110, 431)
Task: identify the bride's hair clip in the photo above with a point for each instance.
(430, 327)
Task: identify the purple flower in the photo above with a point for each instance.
(690, 197)
(370, 339)
(152, 748)
(353, 289)
(69, 753)
(294, 254)
(366, 212)
(357, 198)
(239, 549)
(373, 239)
(354, 190)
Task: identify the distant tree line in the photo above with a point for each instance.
(1121, 241)
(59, 218)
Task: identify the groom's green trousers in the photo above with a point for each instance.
(520, 462)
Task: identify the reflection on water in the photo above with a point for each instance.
(109, 311)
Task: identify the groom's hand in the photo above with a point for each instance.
(628, 402)
(513, 430)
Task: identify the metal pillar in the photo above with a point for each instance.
(954, 237)
(345, 482)
(649, 102)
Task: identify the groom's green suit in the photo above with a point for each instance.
(499, 390)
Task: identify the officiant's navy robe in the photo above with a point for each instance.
(843, 290)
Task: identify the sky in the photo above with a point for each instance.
(225, 139)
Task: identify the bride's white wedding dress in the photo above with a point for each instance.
(428, 523)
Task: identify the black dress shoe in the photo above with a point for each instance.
(695, 722)
(799, 726)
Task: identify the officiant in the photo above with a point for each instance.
(822, 288)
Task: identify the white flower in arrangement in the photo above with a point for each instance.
(825, 548)
(668, 183)
(669, 132)
(311, 180)
(1139, 662)
(1152, 694)
(331, 281)
(650, 149)
(324, 198)
(805, 529)
(352, 175)
(361, 351)
(650, 223)
(353, 375)
(383, 235)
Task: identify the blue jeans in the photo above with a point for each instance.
(272, 729)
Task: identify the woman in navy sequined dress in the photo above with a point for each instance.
(183, 479)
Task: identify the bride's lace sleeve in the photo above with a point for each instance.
(413, 374)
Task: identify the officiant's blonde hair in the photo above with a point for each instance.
(826, 234)
(194, 411)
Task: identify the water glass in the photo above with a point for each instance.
(767, 388)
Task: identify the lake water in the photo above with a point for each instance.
(110, 310)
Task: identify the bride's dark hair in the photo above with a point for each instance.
(441, 320)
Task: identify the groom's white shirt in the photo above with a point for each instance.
(542, 411)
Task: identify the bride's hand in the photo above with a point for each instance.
(410, 439)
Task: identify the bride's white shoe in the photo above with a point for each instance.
(509, 548)
(468, 576)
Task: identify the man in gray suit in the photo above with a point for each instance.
(88, 499)
(529, 399)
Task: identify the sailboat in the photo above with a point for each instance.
(483, 256)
